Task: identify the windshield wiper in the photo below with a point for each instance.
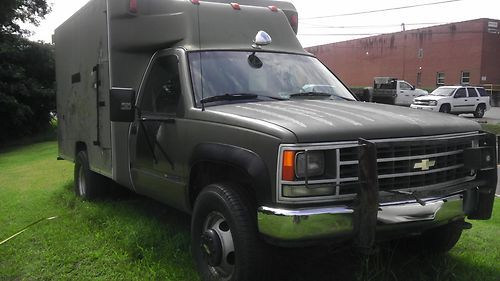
(318, 94)
(310, 94)
(237, 96)
(240, 96)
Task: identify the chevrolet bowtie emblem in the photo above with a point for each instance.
(425, 164)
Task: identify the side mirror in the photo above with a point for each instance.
(413, 88)
(121, 102)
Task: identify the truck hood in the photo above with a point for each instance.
(328, 120)
(431, 97)
(422, 92)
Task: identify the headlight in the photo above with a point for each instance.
(310, 163)
(303, 191)
(433, 102)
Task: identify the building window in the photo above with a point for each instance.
(440, 79)
(465, 79)
(420, 53)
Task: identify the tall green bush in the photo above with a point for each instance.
(27, 76)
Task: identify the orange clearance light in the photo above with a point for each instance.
(196, 2)
(273, 8)
(288, 165)
(133, 6)
(236, 6)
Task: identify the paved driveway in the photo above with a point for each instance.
(491, 116)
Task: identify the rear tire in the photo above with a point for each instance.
(479, 112)
(224, 235)
(88, 184)
(445, 108)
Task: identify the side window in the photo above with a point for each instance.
(162, 89)
(440, 76)
(460, 93)
(482, 92)
(472, 92)
(404, 86)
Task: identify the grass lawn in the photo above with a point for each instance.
(134, 238)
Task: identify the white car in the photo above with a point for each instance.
(456, 100)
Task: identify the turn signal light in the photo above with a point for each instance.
(196, 2)
(288, 165)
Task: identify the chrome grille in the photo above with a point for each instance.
(421, 102)
(419, 163)
(400, 164)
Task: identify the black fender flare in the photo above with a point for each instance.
(242, 158)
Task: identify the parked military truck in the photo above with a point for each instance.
(214, 108)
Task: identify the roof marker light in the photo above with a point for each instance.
(294, 22)
(196, 2)
(132, 8)
(273, 8)
(235, 6)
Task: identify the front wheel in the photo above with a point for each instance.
(445, 108)
(479, 112)
(224, 236)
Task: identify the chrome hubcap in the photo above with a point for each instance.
(217, 246)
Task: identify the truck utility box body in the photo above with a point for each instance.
(88, 65)
(214, 108)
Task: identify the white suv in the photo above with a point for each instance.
(455, 99)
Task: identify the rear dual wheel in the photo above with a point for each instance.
(88, 185)
(225, 242)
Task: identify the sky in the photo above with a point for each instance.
(325, 21)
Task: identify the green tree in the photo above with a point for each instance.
(26, 72)
(14, 11)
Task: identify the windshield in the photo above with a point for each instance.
(443, 92)
(235, 76)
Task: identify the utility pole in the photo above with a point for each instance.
(403, 27)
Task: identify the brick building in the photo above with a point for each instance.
(458, 53)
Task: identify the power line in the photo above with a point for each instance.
(339, 34)
(383, 10)
(381, 33)
(313, 25)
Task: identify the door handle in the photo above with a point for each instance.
(465, 100)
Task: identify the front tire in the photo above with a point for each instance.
(445, 108)
(224, 235)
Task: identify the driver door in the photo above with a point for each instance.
(406, 93)
(154, 136)
(460, 102)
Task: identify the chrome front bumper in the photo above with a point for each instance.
(331, 222)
